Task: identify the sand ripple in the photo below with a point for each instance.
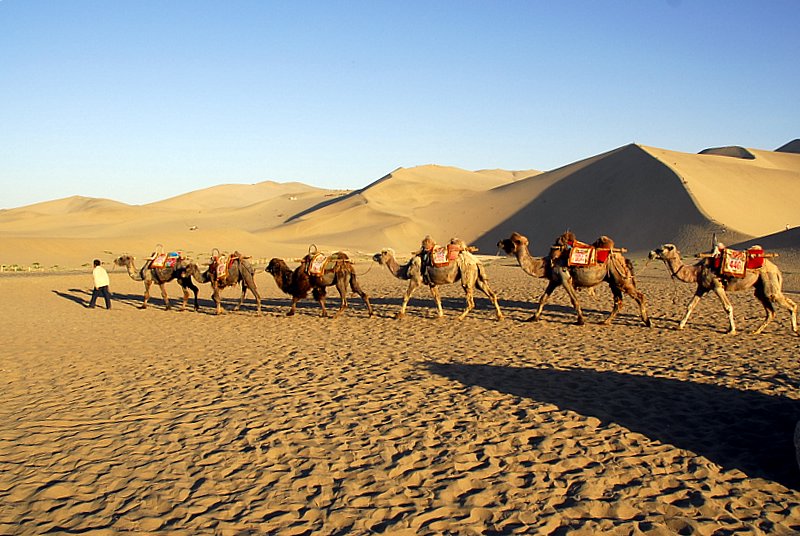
(184, 423)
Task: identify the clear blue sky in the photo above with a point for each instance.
(141, 100)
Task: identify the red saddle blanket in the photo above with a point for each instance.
(221, 265)
(581, 254)
(444, 255)
(165, 260)
(735, 263)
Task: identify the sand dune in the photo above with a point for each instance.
(641, 196)
(154, 421)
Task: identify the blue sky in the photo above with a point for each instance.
(142, 100)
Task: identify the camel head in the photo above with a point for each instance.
(513, 244)
(383, 256)
(124, 260)
(192, 269)
(665, 252)
(276, 267)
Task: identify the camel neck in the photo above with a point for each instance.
(529, 264)
(678, 270)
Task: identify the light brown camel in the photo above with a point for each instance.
(617, 271)
(767, 282)
(465, 268)
(229, 271)
(179, 271)
(338, 271)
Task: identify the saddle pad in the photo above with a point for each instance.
(581, 256)
(601, 254)
(439, 256)
(222, 267)
(317, 264)
(172, 259)
(755, 258)
(452, 251)
(734, 263)
(159, 261)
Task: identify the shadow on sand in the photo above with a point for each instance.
(735, 429)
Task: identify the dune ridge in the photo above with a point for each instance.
(641, 196)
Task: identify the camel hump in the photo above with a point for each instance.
(604, 242)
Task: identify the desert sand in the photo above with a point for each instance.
(158, 421)
(181, 422)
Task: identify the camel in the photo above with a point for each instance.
(617, 271)
(465, 268)
(160, 276)
(237, 271)
(767, 282)
(337, 271)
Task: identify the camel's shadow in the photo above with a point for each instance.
(735, 429)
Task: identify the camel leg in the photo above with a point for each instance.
(241, 298)
(413, 285)
(726, 304)
(615, 309)
(438, 299)
(320, 295)
(357, 289)
(257, 296)
(551, 286)
(293, 308)
(470, 298)
(768, 308)
(774, 295)
(146, 294)
(484, 286)
(634, 293)
(341, 286)
(185, 298)
(164, 295)
(218, 300)
(249, 283)
(187, 284)
(792, 306)
(689, 308)
(573, 297)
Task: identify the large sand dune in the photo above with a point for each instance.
(641, 196)
(166, 422)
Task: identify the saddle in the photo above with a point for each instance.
(316, 263)
(735, 263)
(221, 264)
(165, 260)
(443, 255)
(583, 254)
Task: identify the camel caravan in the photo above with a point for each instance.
(571, 264)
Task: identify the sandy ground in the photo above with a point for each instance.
(159, 421)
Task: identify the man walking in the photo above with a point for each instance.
(101, 283)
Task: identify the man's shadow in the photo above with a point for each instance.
(79, 296)
(735, 429)
(82, 297)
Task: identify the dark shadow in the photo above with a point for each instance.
(81, 297)
(744, 430)
(321, 204)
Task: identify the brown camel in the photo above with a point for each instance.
(465, 268)
(767, 282)
(179, 271)
(617, 271)
(229, 271)
(338, 270)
